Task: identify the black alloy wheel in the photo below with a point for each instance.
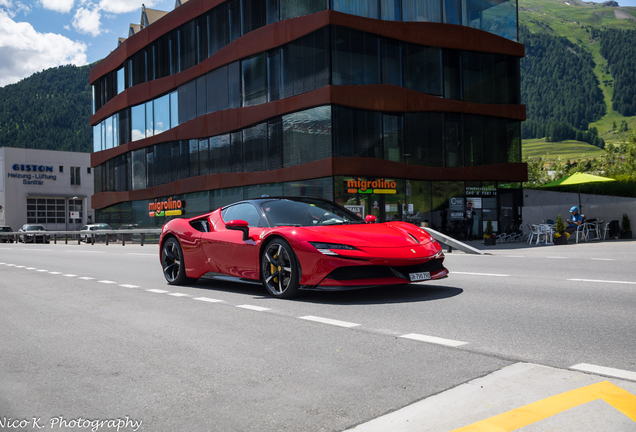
(280, 270)
(173, 264)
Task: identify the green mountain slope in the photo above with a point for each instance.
(50, 110)
(585, 26)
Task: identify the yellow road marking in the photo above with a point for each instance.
(620, 399)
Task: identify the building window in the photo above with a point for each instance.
(61, 168)
(88, 170)
(75, 176)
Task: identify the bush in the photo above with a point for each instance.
(626, 226)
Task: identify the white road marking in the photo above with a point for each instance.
(254, 308)
(10, 265)
(20, 266)
(30, 268)
(158, 291)
(129, 286)
(55, 273)
(602, 259)
(107, 282)
(480, 274)
(618, 373)
(206, 299)
(179, 295)
(86, 278)
(329, 321)
(42, 270)
(69, 275)
(602, 281)
(433, 339)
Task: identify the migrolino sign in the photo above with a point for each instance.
(371, 187)
(169, 207)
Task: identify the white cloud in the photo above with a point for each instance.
(124, 6)
(12, 8)
(88, 21)
(24, 51)
(63, 6)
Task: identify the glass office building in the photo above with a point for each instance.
(405, 109)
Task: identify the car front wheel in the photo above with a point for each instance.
(173, 264)
(280, 270)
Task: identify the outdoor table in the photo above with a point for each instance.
(547, 230)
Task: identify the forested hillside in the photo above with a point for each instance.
(619, 48)
(557, 85)
(50, 110)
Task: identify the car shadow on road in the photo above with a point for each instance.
(406, 293)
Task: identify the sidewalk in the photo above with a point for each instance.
(479, 244)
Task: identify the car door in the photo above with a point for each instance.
(226, 250)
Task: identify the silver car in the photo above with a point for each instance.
(5, 237)
(32, 233)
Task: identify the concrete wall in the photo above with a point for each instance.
(540, 206)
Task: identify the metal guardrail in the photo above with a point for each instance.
(92, 237)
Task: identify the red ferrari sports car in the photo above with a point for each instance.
(296, 243)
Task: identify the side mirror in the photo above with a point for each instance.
(239, 225)
(370, 219)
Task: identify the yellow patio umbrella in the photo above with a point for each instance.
(579, 179)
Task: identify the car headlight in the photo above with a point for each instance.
(327, 248)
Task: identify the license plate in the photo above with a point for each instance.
(415, 277)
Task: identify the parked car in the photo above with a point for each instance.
(33, 233)
(87, 231)
(130, 236)
(297, 243)
(6, 237)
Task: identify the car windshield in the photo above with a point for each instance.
(5, 229)
(306, 212)
(35, 228)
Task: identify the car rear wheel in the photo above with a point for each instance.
(173, 264)
(280, 270)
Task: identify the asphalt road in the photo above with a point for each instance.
(94, 333)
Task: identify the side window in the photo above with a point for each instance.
(245, 212)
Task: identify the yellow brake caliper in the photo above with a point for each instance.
(273, 269)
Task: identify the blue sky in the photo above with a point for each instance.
(39, 34)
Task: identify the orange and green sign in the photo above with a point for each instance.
(380, 186)
(169, 207)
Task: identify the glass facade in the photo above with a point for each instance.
(307, 64)
(332, 55)
(196, 40)
(433, 139)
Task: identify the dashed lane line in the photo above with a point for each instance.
(603, 281)
(129, 286)
(176, 294)
(86, 278)
(254, 308)
(107, 282)
(329, 321)
(433, 339)
(207, 299)
(602, 370)
(70, 275)
(158, 291)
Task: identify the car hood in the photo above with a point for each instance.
(381, 235)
